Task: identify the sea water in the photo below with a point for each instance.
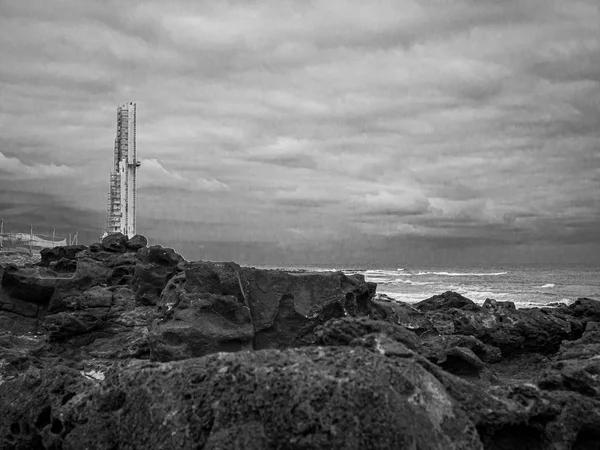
(525, 285)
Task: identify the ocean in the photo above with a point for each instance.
(525, 285)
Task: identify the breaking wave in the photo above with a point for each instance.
(463, 274)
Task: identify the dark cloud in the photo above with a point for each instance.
(329, 130)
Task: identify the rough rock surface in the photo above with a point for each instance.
(287, 306)
(376, 372)
(344, 398)
(576, 366)
(198, 319)
(223, 307)
(447, 300)
(156, 266)
(401, 313)
(586, 309)
(513, 331)
(49, 255)
(518, 416)
(344, 331)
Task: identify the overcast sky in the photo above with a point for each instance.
(291, 132)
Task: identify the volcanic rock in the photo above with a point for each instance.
(577, 365)
(156, 266)
(343, 331)
(490, 303)
(314, 398)
(115, 242)
(445, 301)
(287, 306)
(55, 254)
(585, 308)
(136, 242)
(197, 319)
(400, 313)
(437, 347)
(31, 284)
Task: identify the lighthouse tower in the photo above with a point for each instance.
(121, 198)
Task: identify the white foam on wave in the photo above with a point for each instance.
(411, 282)
(549, 285)
(408, 298)
(463, 274)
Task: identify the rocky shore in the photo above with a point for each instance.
(124, 346)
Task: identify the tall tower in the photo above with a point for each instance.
(121, 197)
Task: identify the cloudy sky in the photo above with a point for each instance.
(329, 132)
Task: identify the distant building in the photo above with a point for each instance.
(121, 197)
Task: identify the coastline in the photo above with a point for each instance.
(147, 338)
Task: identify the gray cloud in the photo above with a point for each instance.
(284, 123)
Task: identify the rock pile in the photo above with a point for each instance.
(121, 345)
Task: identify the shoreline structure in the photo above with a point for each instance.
(32, 241)
(121, 208)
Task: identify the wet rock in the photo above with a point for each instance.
(445, 301)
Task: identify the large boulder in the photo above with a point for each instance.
(313, 398)
(198, 319)
(445, 301)
(287, 306)
(136, 242)
(115, 242)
